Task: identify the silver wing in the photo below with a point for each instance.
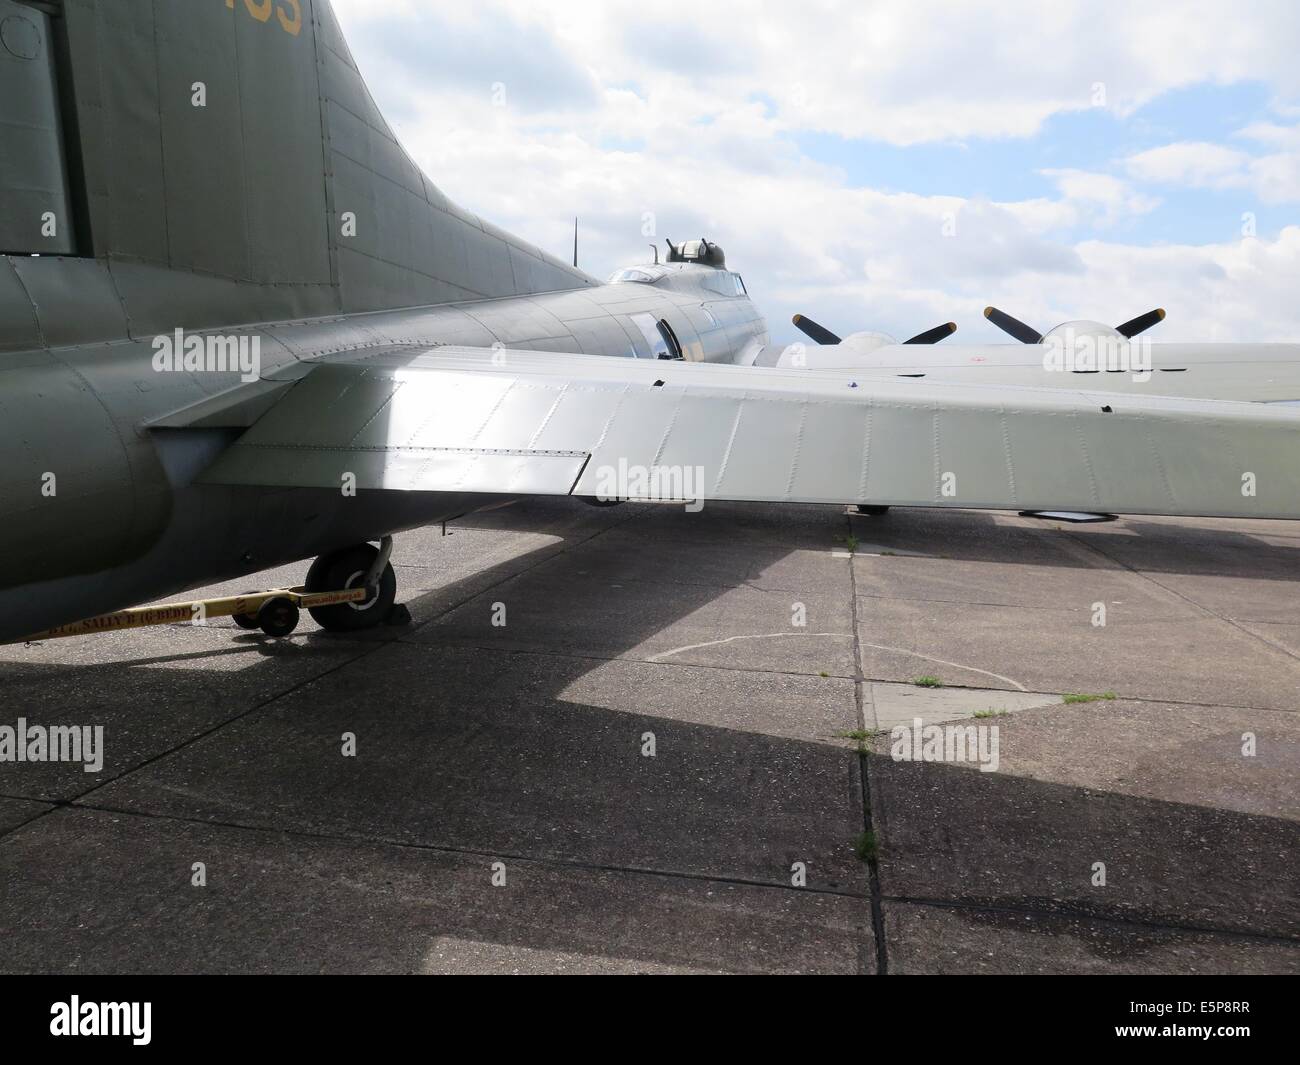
(533, 422)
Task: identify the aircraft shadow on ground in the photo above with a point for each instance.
(471, 755)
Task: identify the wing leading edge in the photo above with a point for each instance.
(516, 422)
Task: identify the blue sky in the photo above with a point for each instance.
(879, 165)
(1003, 169)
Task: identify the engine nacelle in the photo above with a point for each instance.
(850, 353)
(1093, 347)
(1069, 331)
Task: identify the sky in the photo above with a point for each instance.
(878, 165)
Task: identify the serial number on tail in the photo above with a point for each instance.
(287, 12)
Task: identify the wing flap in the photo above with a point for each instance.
(401, 469)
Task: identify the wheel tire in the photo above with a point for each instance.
(246, 621)
(873, 508)
(345, 569)
(277, 617)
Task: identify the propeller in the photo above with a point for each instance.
(933, 336)
(821, 335)
(1141, 323)
(1027, 334)
(818, 333)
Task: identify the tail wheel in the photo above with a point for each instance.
(347, 569)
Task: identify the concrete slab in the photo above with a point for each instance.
(500, 753)
(1019, 837)
(1220, 758)
(1054, 582)
(454, 956)
(15, 812)
(627, 553)
(1192, 659)
(902, 704)
(932, 939)
(1211, 547)
(89, 891)
(149, 689)
(1284, 637)
(608, 614)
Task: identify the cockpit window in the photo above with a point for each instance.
(659, 336)
(725, 283)
(632, 274)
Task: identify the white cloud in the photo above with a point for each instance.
(1094, 199)
(1198, 163)
(1237, 290)
(678, 124)
(1274, 177)
(903, 71)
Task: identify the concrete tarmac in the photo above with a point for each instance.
(635, 739)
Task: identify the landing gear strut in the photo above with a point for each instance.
(361, 566)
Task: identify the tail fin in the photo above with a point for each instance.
(234, 143)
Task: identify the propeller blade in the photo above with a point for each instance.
(1141, 323)
(1012, 326)
(818, 333)
(933, 336)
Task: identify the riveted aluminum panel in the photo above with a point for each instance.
(403, 469)
(828, 448)
(132, 146)
(75, 299)
(900, 451)
(34, 211)
(577, 415)
(284, 191)
(18, 328)
(972, 447)
(207, 217)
